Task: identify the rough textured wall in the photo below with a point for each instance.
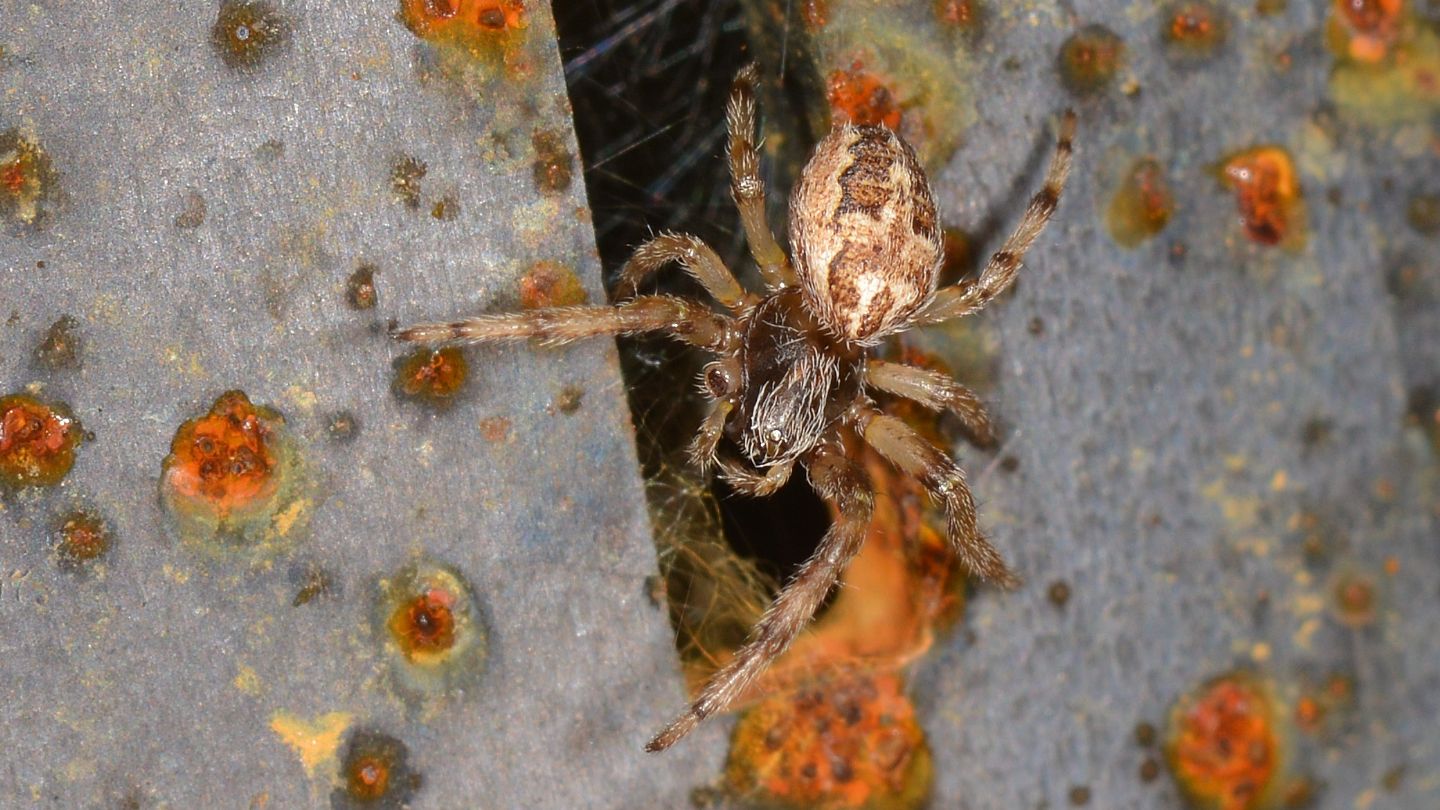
(205, 207)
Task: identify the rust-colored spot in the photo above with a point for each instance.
(1090, 59)
(311, 581)
(360, 292)
(1058, 593)
(1267, 193)
(246, 33)
(233, 474)
(432, 376)
(965, 16)
(1223, 745)
(1145, 734)
(431, 630)
(37, 441)
(1423, 213)
(850, 742)
(1354, 598)
(406, 172)
(861, 97)
(446, 209)
(26, 178)
(554, 166)
(495, 428)
(83, 538)
(815, 13)
(1194, 29)
(224, 457)
(463, 20)
(1142, 204)
(342, 426)
(551, 284)
(375, 772)
(1309, 713)
(425, 625)
(60, 348)
(1365, 30)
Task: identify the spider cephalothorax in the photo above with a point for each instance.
(793, 371)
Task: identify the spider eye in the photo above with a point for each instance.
(717, 382)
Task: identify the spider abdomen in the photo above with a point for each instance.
(864, 234)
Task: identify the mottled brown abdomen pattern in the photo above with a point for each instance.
(864, 233)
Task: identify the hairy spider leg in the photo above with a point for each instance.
(756, 485)
(999, 273)
(685, 320)
(698, 259)
(945, 481)
(703, 446)
(935, 391)
(747, 187)
(842, 483)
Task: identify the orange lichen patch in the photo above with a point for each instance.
(1354, 598)
(425, 625)
(1366, 31)
(465, 20)
(432, 376)
(1090, 59)
(233, 474)
(851, 741)
(1194, 29)
(37, 441)
(901, 588)
(1142, 204)
(26, 178)
(1223, 744)
(861, 97)
(375, 772)
(551, 284)
(429, 625)
(224, 458)
(1267, 193)
(83, 538)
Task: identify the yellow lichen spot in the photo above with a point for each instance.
(1279, 481)
(285, 521)
(247, 681)
(314, 742)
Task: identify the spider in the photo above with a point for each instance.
(793, 371)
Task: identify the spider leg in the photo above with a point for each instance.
(686, 320)
(907, 450)
(702, 449)
(935, 391)
(756, 485)
(698, 259)
(842, 483)
(999, 273)
(747, 187)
